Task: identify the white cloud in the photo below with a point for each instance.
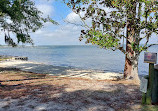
(46, 9)
(73, 17)
(62, 35)
(45, 6)
(65, 34)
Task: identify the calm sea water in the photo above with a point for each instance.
(85, 57)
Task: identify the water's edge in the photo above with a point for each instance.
(82, 57)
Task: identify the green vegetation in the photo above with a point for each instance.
(149, 108)
(20, 17)
(2, 59)
(113, 21)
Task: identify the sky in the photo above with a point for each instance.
(62, 34)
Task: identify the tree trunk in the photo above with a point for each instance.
(131, 59)
(132, 55)
(131, 69)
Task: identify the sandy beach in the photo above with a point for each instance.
(60, 71)
(78, 55)
(30, 86)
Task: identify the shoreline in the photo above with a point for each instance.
(60, 71)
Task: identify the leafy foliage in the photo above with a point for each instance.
(20, 17)
(113, 20)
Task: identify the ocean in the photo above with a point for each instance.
(83, 57)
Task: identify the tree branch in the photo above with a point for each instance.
(74, 23)
(83, 21)
(151, 45)
(122, 50)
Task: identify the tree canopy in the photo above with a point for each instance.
(115, 20)
(107, 26)
(20, 17)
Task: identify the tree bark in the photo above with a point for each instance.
(131, 58)
(132, 55)
(131, 69)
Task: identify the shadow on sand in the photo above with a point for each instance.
(54, 96)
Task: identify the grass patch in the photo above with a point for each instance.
(4, 58)
(149, 108)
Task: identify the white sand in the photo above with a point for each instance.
(30, 103)
(60, 71)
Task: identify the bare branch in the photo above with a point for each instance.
(146, 43)
(151, 45)
(74, 23)
(147, 37)
(83, 21)
(122, 50)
